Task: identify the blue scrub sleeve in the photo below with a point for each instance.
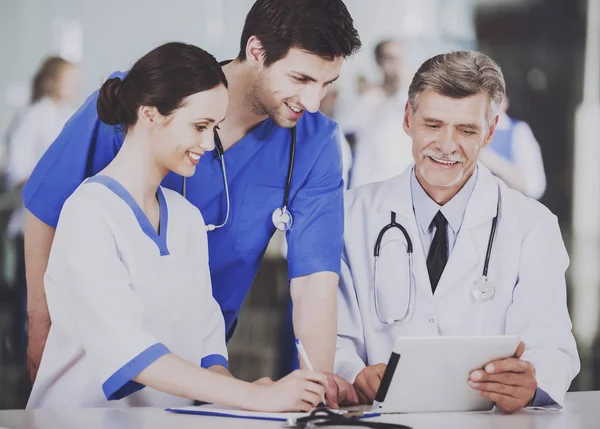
(83, 148)
(316, 238)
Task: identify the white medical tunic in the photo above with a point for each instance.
(121, 295)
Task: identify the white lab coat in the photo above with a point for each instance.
(527, 265)
(116, 303)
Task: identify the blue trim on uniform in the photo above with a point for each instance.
(162, 223)
(161, 238)
(120, 384)
(211, 360)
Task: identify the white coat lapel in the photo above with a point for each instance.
(399, 200)
(471, 243)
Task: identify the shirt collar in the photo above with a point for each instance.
(425, 208)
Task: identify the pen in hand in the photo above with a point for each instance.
(306, 361)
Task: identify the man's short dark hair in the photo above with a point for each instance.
(321, 27)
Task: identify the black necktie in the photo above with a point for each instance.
(438, 252)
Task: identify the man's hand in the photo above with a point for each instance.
(510, 383)
(367, 382)
(339, 392)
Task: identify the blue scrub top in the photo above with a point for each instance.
(256, 171)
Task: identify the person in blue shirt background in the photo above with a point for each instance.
(290, 52)
(514, 155)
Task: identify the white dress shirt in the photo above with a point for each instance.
(454, 211)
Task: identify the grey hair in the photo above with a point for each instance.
(460, 74)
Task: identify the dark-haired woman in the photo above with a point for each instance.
(134, 322)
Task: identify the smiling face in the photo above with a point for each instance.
(447, 134)
(288, 87)
(181, 138)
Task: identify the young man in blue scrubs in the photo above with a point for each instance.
(291, 51)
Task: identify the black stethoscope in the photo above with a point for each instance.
(483, 289)
(322, 416)
(281, 217)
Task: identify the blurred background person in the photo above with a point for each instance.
(54, 89)
(514, 155)
(381, 147)
(362, 84)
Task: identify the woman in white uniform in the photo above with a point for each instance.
(134, 322)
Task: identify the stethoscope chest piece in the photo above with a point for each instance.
(282, 219)
(483, 289)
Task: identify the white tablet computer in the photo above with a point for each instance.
(430, 374)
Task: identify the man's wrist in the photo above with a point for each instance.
(532, 400)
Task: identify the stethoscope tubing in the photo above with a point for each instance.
(409, 250)
(221, 156)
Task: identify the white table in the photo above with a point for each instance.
(582, 411)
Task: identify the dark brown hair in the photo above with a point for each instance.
(44, 83)
(321, 27)
(162, 78)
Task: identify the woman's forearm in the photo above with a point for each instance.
(176, 376)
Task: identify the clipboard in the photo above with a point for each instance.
(210, 410)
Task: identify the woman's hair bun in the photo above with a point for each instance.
(110, 107)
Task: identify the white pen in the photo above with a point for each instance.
(306, 360)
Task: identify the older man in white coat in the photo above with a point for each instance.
(449, 205)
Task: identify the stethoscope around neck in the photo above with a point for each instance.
(282, 217)
(482, 290)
